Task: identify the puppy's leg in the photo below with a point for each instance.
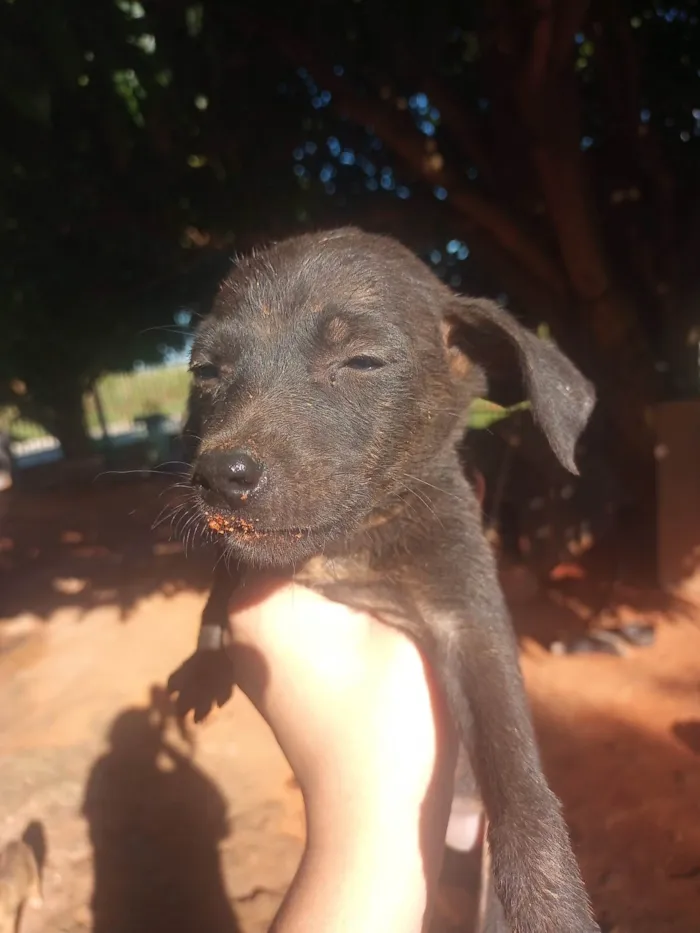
(214, 622)
(475, 653)
(206, 678)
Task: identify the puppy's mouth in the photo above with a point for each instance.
(229, 524)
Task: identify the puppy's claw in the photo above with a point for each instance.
(203, 681)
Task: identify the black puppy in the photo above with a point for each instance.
(331, 386)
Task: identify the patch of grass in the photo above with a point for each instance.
(124, 396)
(128, 396)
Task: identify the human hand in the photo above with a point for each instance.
(355, 710)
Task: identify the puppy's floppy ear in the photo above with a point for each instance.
(562, 399)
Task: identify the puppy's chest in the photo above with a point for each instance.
(356, 570)
(388, 556)
(364, 583)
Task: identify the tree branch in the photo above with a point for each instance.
(537, 65)
(621, 74)
(571, 15)
(421, 155)
(463, 128)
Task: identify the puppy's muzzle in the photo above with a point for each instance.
(231, 475)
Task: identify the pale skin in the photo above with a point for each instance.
(355, 710)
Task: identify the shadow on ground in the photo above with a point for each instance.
(90, 546)
(631, 802)
(156, 822)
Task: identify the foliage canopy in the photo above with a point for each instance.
(546, 151)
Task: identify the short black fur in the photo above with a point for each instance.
(343, 369)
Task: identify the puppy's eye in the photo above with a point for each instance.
(206, 372)
(365, 363)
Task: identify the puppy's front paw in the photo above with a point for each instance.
(203, 681)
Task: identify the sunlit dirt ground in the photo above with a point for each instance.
(149, 829)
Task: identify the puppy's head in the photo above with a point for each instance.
(333, 369)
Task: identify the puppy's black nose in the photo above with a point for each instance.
(232, 473)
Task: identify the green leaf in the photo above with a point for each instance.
(482, 413)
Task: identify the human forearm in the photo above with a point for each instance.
(355, 711)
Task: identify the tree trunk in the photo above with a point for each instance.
(549, 105)
(629, 378)
(62, 412)
(71, 431)
(628, 381)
